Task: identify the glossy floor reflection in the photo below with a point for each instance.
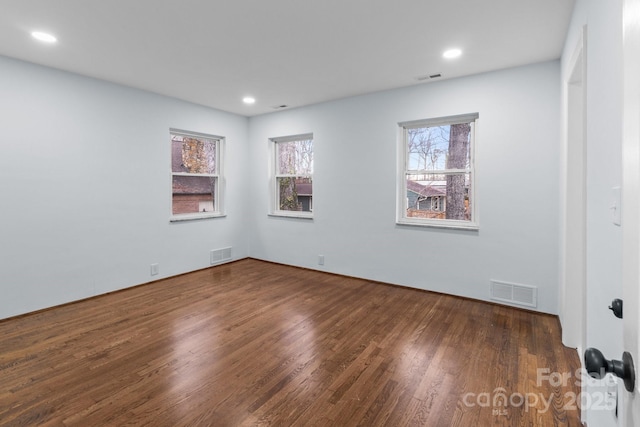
(255, 343)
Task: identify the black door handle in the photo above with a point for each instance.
(597, 367)
(616, 307)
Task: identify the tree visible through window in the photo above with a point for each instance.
(195, 174)
(437, 172)
(293, 178)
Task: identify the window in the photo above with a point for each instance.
(436, 172)
(292, 177)
(195, 175)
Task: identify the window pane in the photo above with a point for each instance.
(295, 194)
(439, 196)
(193, 155)
(439, 147)
(192, 194)
(295, 157)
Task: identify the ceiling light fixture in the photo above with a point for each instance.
(44, 37)
(249, 100)
(452, 53)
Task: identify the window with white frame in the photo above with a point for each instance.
(195, 175)
(292, 176)
(436, 182)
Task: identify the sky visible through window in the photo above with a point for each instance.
(428, 148)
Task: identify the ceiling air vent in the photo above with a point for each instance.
(279, 107)
(428, 77)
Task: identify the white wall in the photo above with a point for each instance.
(85, 202)
(354, 187)
(85, 187)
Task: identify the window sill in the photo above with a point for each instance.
(448, 224)
(292, 214)
(195, 217)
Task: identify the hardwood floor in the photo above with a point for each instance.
(253, 343)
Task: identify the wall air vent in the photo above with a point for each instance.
(513, 293)
(220, 255)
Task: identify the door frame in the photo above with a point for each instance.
(631, 198)
(573, 300)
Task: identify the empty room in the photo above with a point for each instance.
(295, 213)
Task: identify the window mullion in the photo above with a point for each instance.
(438, 172)
(213, 175)
(292, 176)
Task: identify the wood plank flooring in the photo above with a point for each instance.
(254, 344)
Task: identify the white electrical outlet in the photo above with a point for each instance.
(320, 259)
(155, 269)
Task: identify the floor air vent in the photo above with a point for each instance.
(219, 255)
(514, 294)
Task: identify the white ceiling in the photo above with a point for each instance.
(292, 52)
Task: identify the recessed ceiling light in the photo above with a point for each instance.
(44, 37)
(249, 100)
(452, 53)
